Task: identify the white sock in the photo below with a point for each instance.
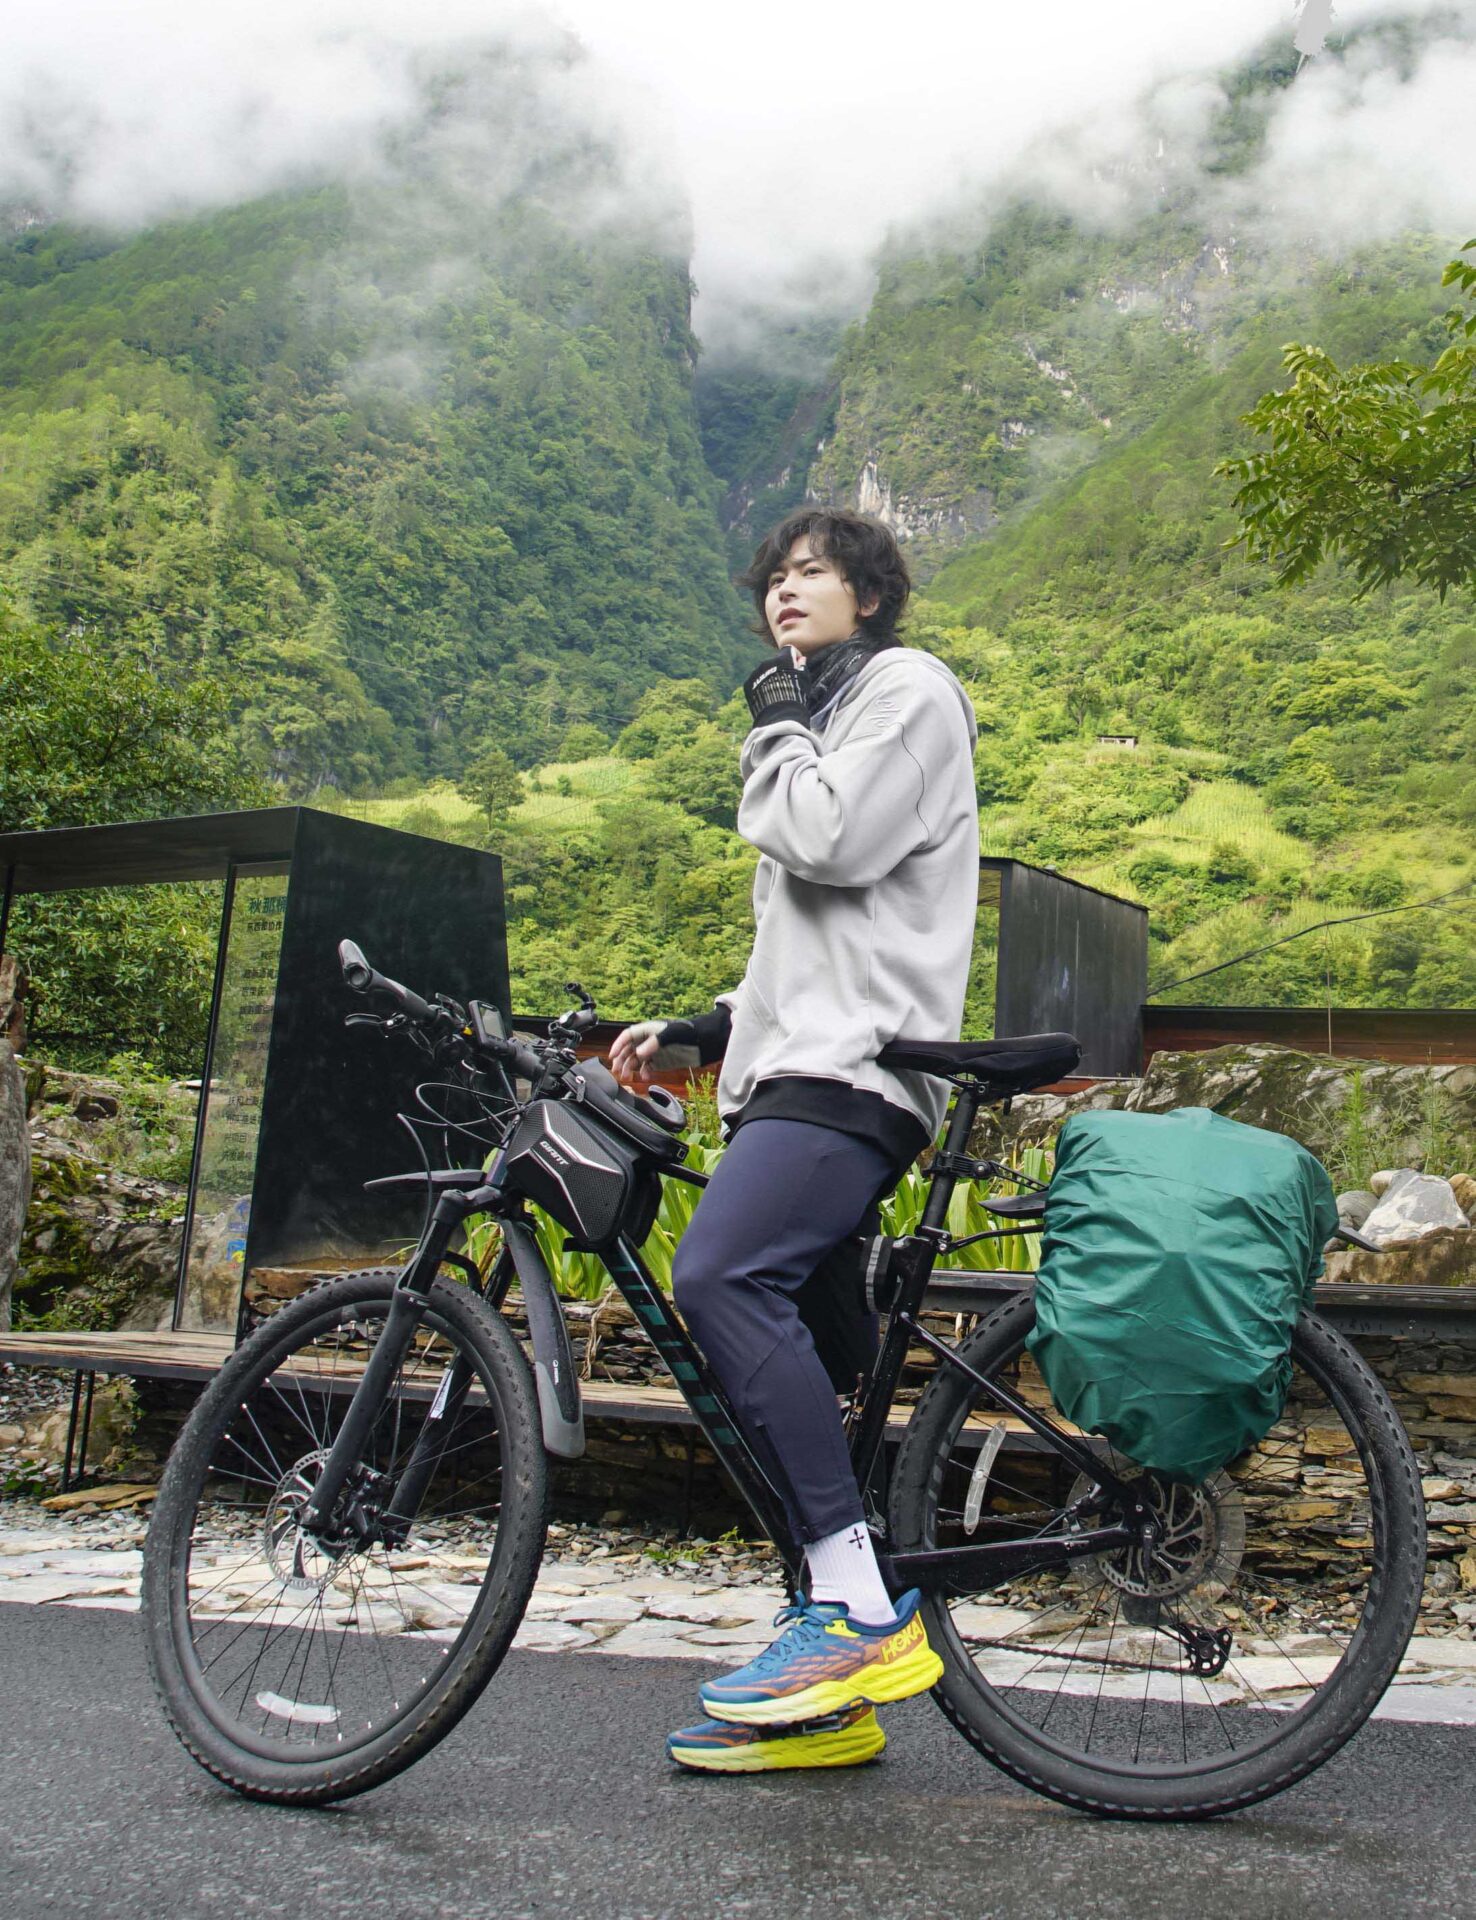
(842, 1567)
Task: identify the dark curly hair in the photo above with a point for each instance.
(863, 551)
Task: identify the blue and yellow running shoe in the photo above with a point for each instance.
(823, 1663)
(721, 1746)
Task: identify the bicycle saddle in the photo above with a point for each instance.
(1003, 1066)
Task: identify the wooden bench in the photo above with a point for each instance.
(1372, 1312)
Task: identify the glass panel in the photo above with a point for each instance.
(978, 1019)
(227, 1166)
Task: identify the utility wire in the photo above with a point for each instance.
(1348, 920)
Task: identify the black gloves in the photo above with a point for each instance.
(776, 691)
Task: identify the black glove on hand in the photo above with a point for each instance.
(776, 691)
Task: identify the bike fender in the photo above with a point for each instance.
(560, 1404)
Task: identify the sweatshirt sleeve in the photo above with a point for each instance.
(846, 819)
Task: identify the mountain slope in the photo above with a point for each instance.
(412, 495)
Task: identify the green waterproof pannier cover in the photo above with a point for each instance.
(1179, 1249)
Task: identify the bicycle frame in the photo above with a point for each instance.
(970, 1568)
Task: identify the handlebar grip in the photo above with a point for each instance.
(362, 978)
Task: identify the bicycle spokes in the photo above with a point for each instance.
(1195, 1645)
(300, 1636)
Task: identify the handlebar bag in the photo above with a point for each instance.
(595, 1182)
(1179, 1249)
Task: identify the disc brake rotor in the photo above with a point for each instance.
(1201, 1546)
(301, 1563)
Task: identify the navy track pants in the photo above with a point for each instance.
(783, 1196)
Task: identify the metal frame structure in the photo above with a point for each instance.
(418, 901)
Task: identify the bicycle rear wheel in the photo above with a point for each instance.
(304, 1674)
(1256, 1640)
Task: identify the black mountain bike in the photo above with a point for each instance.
(349, 1526)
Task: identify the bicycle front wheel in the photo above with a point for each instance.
(305, 1673)
(1238, 1656)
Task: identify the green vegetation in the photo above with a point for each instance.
(90, 733)
(1376, 463)
(411, 510)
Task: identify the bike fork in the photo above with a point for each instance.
(406, 1311)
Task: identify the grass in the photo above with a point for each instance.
(562, 794)
(1219, 810)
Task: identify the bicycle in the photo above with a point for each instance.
(1121, 1643)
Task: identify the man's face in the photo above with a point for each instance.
(809, 604)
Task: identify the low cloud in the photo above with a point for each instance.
(781, 146)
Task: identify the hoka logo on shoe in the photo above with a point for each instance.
(905, 1642)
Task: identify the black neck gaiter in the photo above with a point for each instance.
(828, 674)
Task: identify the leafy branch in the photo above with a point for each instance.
(1375, 463)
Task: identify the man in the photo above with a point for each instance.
(858, 791)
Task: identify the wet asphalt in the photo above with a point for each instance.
(553, 1799)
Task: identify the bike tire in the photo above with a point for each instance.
(1007, 1719)
(504, 1416)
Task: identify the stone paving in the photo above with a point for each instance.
(601, 1592)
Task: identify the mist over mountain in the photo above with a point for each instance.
(416, 447)
(412, 457)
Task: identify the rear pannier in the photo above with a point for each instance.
(1179, 1250)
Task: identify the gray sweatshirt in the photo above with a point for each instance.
(865, 896)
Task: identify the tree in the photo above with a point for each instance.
(665, 715)
(1375, 462)
(583, 741)
(90, 733)
(493, 784)
(700, 774)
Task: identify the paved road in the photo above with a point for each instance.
(553, 1800)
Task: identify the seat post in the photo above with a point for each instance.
(955, 1144)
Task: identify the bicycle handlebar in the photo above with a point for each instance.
(359, 975)
(362, 978)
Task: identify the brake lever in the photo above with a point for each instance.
(364, 1020)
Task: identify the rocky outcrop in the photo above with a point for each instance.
(13, 985)
(947, 521)
(100, 1246)
(1444, 1258)
(100, 1249)
(15, 1173)
(1339, 1109)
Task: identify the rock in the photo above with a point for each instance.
(95, 1106)
(114, 1412)
(1413, 1205)
(550, 1636)
(101, 1245)
(1322, 1101)
(1464, 1189)
(13, 984)
(1444, 1258)
(104, 1499)
(1355, 1207)
(15, 1173)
